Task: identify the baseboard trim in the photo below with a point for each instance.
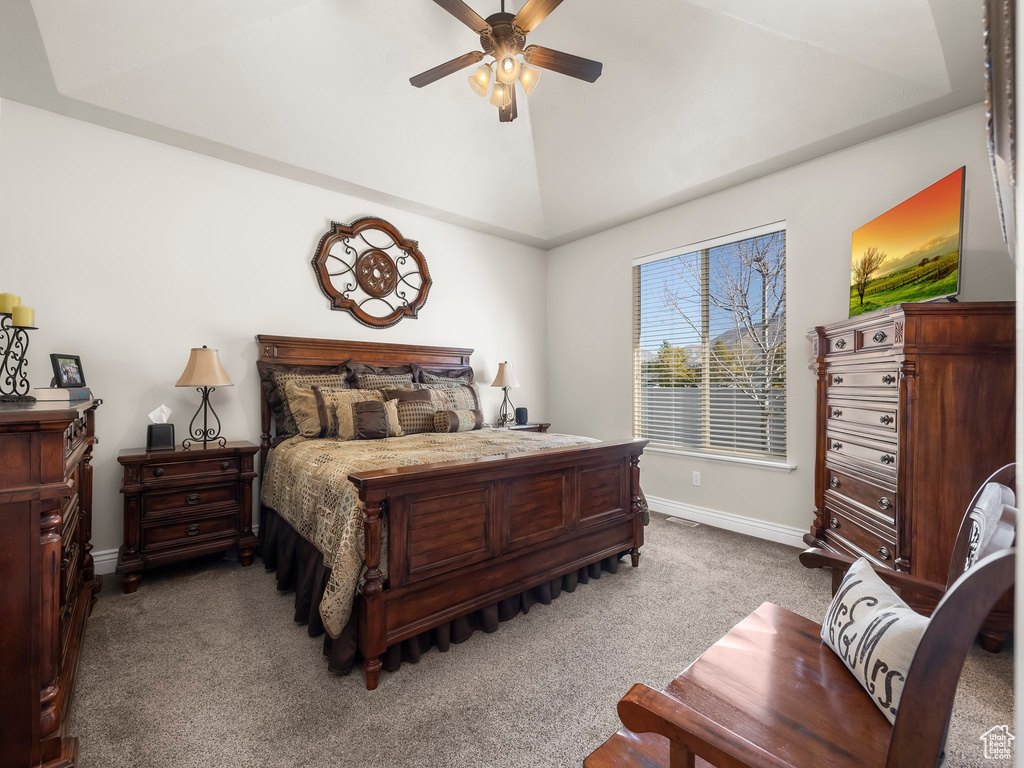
(761, 529)
(104, 561)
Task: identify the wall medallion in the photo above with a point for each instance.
(369, 269)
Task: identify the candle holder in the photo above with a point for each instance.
(14, 386)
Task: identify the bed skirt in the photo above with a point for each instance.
(300, 567)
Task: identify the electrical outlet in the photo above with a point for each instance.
(696, 477)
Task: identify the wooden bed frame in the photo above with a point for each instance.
(464, 535)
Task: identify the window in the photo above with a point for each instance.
(709, 340)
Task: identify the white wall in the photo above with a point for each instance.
(823, 201)
(132, 252)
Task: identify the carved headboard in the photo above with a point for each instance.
(297, 350)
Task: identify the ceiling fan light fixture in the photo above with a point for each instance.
(480, 79)
(500, 96)
(528, 77)
(508, 68)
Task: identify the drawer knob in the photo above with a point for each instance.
(837, 379)
(836, 413)
(192, 530)
(883, 553)
(192, 499)
(884, 503)
(887, 459)
(225, 465)
(887, 419)
(879, 337)
(833, 523)
(888, 379)
(841, 344)
(158, 472)
(837, 446)
(834, 482)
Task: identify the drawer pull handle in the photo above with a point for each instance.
(833, 523)
(888, 379)
(879, 337)
(836, 413)
(837, 446)
(225, 465)
(192, 499)
(883, 553)
(158, 472)
(884, 503)
(887, 459)
(887, 419)
(841, 344)
(837, 379)
(834, 482)
(192, 530)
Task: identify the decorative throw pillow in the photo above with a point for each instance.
(875, 634)
(462, 397)
(458, 421)
(325, 412)
(416, 408)
(374, 420)
(362, 376)
(275, 376)
(459, 375)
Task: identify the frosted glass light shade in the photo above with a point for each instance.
(505, 377)
(528, 77)
(480, 79)
(508, 69)
(204, 370)
(500, 96)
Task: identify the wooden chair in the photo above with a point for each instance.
(770, 694)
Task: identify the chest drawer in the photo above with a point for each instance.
(847, 380)
(877, 455)
(189, 532)
(70, 560)
(194, 499)
(195, 468)
(876, 337)
(856, 538)
(882, 416)
(878, 499)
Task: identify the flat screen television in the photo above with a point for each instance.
(910, 252)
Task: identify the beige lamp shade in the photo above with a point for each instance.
(505, 377)
(204, 370)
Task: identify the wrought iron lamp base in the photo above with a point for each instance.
(207, 433)
(14, 386)
(506, 416)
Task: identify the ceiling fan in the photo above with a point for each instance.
(503, 36)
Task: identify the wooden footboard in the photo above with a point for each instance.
(464, 535)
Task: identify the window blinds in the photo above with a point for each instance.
(709, 333)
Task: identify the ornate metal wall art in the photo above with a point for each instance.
(14, 384)
(369, 269)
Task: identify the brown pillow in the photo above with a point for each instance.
(362, 369)
(462, 397)
(458, 421)
(374, 420)
(462, 374)
(416, 408)
(272, 382)
(324, 412)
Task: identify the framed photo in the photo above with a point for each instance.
(67, 371)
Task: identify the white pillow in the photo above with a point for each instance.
(875, 634)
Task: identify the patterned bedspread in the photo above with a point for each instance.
(306, 483)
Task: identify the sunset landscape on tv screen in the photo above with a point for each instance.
(910, 252)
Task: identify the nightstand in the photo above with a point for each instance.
(529, 427)
(184, 503)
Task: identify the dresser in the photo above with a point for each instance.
(915, 408)
(184, 503)
(47, 581)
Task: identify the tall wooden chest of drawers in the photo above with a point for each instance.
(47, 580)
(915, 408)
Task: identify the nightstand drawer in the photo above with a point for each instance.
(188, 499)
(173, 469)
(189, 531)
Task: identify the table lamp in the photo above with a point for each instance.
(506, 380)
(205, 373)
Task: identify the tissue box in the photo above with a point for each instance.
(160, 437)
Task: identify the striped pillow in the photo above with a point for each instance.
(458, 421)
(325, 412)
(461, 397)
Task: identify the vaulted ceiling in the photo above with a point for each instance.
(696, 94)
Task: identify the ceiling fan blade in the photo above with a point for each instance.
(563, 63)
(443, 70)
(534, 12)
(511, 112)
(465, 14)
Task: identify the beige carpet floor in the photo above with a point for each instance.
(203, 666)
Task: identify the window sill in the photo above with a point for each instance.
(772, 466)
